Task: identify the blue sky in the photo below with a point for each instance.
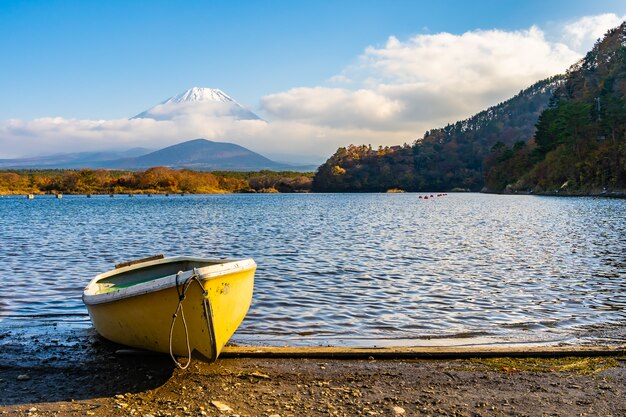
(92, 60)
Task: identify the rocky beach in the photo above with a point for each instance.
(79, 373)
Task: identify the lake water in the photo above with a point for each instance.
(343, 269)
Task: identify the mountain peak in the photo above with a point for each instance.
(201, 94)
(198, 101)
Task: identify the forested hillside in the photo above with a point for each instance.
(445, 158)
(580, 143)
(563, 134)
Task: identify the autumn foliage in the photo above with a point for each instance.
(580, 143)
(448, 158)
(152, 181)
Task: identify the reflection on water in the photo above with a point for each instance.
(343, 268)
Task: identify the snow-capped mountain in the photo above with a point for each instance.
(198, 102)
(201, 94)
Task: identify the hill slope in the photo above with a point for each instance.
(581, 138)
(200, 154)
(197, 154)
(444, 158)
(564, 134)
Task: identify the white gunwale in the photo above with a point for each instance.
(219, 267)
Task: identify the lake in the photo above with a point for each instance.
(343, 269)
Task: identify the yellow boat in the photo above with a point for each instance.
(177, 305)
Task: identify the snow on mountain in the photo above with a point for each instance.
(201, 94)
(198, 101)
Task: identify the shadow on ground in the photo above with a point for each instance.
(77, 365)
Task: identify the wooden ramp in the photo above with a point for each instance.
(516, 351)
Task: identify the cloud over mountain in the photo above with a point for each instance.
(392, 94)
(335, 107)
(428, 79)
(581, 34)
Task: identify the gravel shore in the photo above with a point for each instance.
(81, 374)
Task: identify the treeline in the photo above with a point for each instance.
(566, 134)
(272, 181)
(580, 143)
(152, 181)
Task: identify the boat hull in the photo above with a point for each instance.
(143, 319)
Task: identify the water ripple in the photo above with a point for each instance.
(344, 269)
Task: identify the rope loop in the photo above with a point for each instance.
(181, 290)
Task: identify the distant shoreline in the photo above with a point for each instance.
(153, 181)
(607, 194)
(140, 193)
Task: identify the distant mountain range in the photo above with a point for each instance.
(71, 160)
(197, 154)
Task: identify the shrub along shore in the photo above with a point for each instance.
(157, 180)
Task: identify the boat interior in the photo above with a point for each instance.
(138, 275)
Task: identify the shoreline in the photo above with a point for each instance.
(59, 373)
(607, 194)
(147, 193)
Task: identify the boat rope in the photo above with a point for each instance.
(181, 290)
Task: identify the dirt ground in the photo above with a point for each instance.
(76, 375)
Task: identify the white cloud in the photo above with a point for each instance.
(287, 141)
(332, 106)
(581, 34)
(393, 94)
(473, 61)
(52, 135)
(340, 79)
(55, 134)
(436, 78)
(206, 109)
